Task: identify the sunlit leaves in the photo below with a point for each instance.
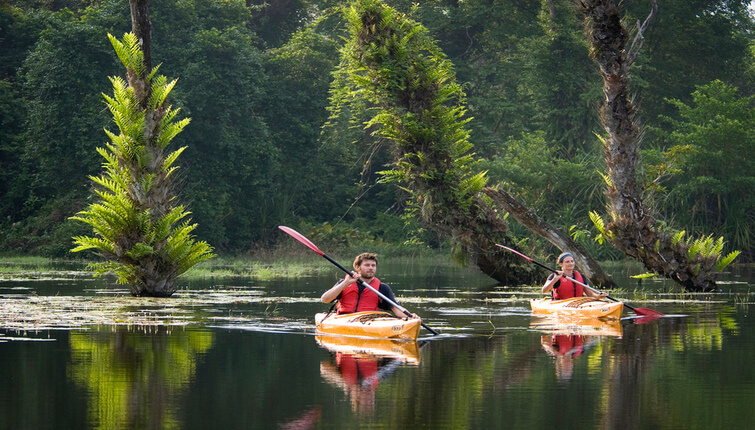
(129, 52)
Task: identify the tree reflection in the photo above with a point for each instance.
(637, 390)
(134, 378)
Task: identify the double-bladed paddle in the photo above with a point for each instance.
(308, 243)
(638, 311)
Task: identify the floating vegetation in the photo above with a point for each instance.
(35, 313)
(4, 339)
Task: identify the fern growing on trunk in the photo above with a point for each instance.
(631, 225)
(391, 65)
(139, 230)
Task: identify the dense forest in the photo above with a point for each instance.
(265, 145)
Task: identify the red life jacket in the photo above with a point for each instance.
(353, 301)
(567, 289)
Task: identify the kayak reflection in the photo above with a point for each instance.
(358, 365)
(568, 337)
(405, 351)
(578, 326)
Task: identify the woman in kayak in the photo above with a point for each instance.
(562, 287)
(354, 297)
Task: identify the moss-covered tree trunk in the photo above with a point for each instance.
(419, 107)
(631, 227)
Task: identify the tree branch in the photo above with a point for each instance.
(639, 38)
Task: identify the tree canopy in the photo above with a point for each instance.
(255, 79)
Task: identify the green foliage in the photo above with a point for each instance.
(605, 234)
(255, 82)
(706, 248)
(135, 223)
(678, 236)
(223, 87)
(299, 76)
(698, 40)
(728, 259)
(712, 149)
(561, 191)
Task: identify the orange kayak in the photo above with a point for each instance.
(368, 324)
(583, 307)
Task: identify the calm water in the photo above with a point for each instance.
(240, 353)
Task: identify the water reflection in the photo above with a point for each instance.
(578, 326)
(248, 358)
(565, 348)
(307, 420)
(357, 366)
(135, 379)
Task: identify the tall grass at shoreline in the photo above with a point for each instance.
(291, 260)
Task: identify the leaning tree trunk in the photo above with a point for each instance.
(392, 61)
(631, 227)
(528, 218)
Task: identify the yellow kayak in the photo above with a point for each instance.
(368, 324)
(583, 307)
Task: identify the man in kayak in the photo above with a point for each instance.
(355, 298)
(564, 288)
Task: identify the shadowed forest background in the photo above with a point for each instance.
(255, 81)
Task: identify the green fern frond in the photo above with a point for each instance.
(597, 220)
(724, 262)
(475, 184)
(160, 91)
(678, 237)
(606, 179)
(718, 247)
(171, 158)
(694, 250)
(169, 131)
(140, 250)
(153, 72)
(87, 243)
